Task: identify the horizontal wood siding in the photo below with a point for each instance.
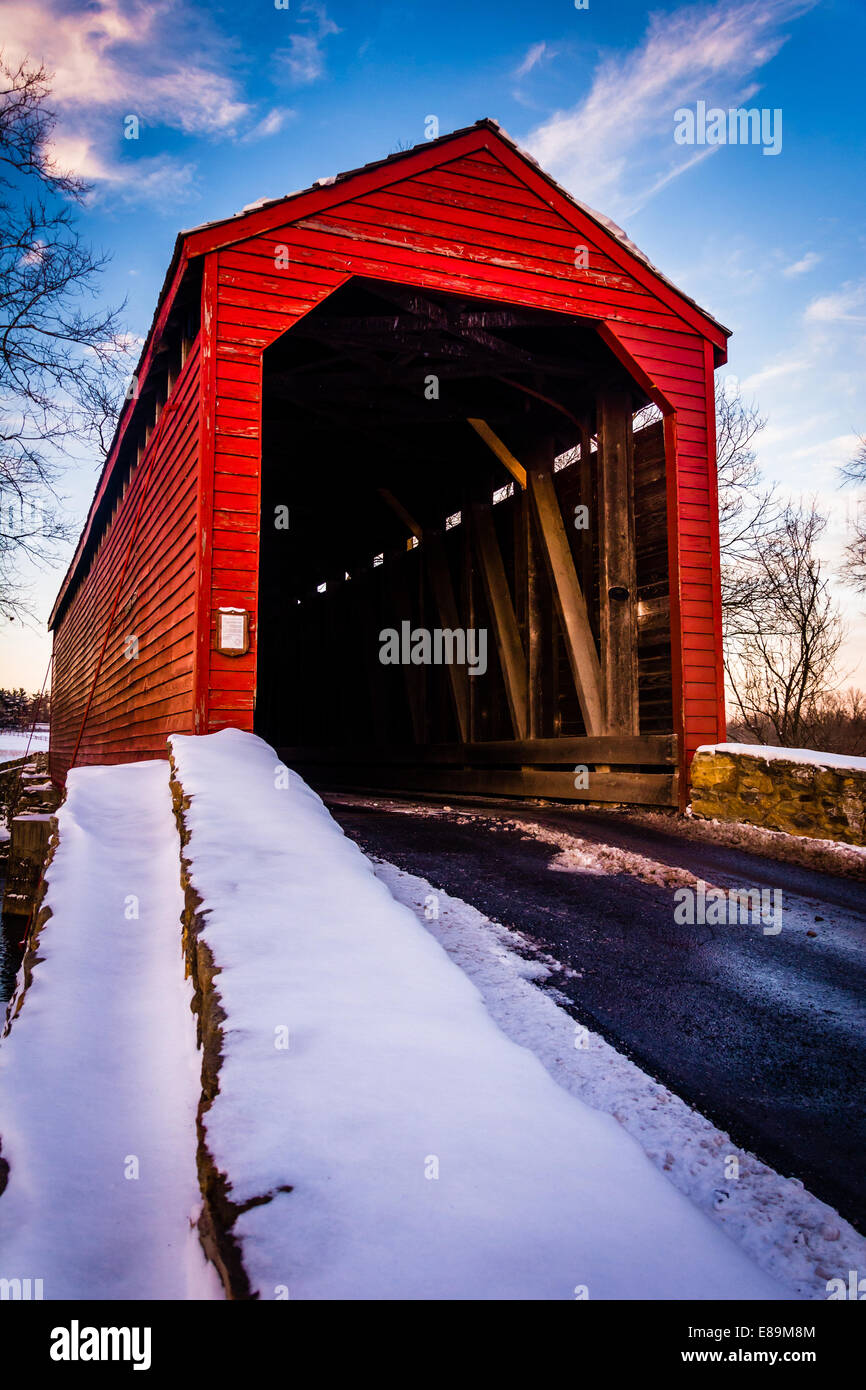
(137, 701)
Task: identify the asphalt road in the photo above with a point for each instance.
(765, 1034)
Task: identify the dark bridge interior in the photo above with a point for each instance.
(398, 428)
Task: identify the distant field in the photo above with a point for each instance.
(13, 743)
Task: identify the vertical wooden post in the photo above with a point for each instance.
(505, 630)
(617, 570)
(587, 500)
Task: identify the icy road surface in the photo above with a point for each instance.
(765, 1034)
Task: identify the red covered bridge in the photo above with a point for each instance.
(404, 399)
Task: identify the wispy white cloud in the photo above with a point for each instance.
(831, 452)
(304, 60)
(158, 179)
(615, 148)
(679, 169)
(774, 372)
(271, 124)
(113, 54)
(841, 307)
(111, 59)
(807, 262)
(812, 394)
(534, 55)
(123, 346)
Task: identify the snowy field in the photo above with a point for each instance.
(13, 743)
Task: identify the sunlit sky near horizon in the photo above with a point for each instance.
(237, 103)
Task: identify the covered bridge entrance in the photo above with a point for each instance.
(383, 498)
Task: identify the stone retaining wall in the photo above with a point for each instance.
(802, 798)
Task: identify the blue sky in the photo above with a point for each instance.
(236, 103)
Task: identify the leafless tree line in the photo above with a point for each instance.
(783, 630)
(854, 564)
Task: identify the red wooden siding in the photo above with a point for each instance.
(136, 702)
(678, 367)
(483, 223)
(246, 305)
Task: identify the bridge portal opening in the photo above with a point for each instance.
(439, 464)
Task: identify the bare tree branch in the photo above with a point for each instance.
(62, 356)
(781, 646)
(854, 559)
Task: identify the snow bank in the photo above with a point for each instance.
(428, 1156)
(792, 1234)
(841, 761)
(825, 856)
(99, 1074)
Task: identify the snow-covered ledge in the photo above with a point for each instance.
(350, 1057)
(798, 790)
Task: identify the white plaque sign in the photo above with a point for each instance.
(233, 632)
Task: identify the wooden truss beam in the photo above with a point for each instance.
(508, 644)
(640, 788)
(502, 452)
(397, 507)
(570, 602)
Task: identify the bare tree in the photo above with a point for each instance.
(837, 724)
(749, 509)
(61, 356)
(781, 647)
(742, 495)
(854, 560)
